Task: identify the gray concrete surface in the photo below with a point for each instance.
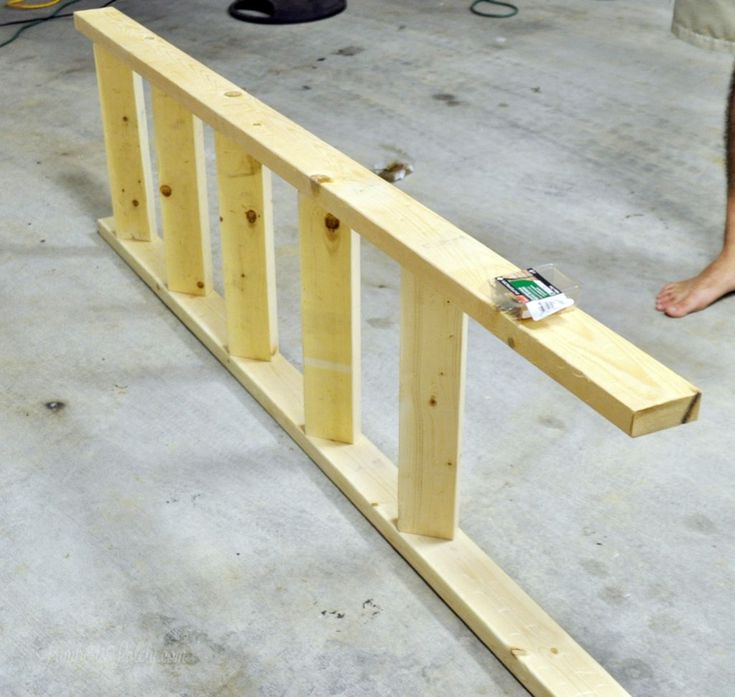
(159, 534)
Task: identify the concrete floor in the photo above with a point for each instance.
(160, 535)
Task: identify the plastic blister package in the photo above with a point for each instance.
(535, 293)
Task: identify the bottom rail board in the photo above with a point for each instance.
(544, 658)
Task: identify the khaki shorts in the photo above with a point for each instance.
(706, 23)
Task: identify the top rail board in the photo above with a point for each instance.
(621, 382)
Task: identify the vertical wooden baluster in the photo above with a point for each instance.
(126, 143)
(246, 224)
(330, 303)
(181, 174)
(433, 348)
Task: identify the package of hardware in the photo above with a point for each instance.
(535, 293)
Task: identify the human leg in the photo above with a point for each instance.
(710, 24)
(718, 278)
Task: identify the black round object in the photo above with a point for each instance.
(285, 11)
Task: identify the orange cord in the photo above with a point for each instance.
(24, 5)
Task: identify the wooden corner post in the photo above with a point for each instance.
(126, 144)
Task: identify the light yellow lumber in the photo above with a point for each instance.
(534, 647)
(126, 144)
(621, 382)
(183, 188)
(433, 350)
(330, 315)
(246, 226)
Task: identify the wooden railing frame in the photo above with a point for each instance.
(444, 279)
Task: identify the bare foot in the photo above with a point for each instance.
(681, 298)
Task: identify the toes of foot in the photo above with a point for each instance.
(675, 311)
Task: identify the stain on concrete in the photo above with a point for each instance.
(186, 634)
(349, 51)
(195, 662)
(236, 685)
(636, 669)
(663, 623)
(381, 322)
(594, 568)
(90, 193)
(552, 422)
(448, 99)
(661, 594)
(613, 595)
(698, 522)
(399, 152)
(77, 67)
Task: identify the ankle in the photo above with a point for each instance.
(728, 250)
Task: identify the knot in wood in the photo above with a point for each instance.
(252, 216)
(165, 189)
(331, 222)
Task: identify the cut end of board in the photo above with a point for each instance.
(673, 413)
